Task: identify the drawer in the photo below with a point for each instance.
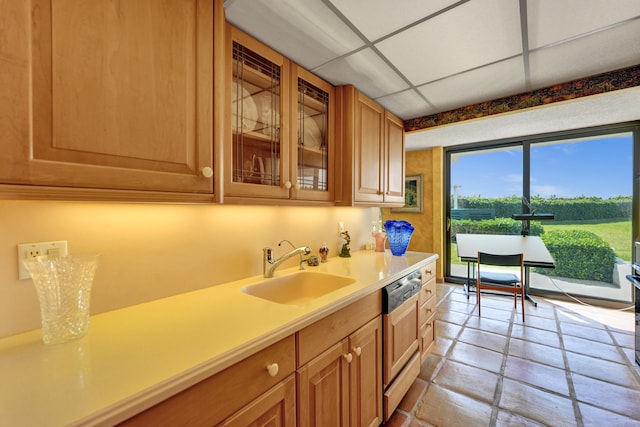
(316, 338)
(398, 389)
(427, 291)
(428, 272)
(215, 398)
(427, 336)
(427, 310)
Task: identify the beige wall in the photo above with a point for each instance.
(428, 236)
(151, 251)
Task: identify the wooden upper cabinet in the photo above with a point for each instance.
(280, 143)
(312, 161)
(257, 145)
(371, 143)
(394, 156)
(121, 94)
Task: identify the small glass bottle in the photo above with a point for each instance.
(324, 252)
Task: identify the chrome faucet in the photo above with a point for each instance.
(269, 265)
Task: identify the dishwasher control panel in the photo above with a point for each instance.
(396, 293)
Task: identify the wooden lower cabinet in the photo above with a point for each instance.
(275, 408)
(427, 311)
(246, 386)
(342, 386)
(366, 374)
(323, 388)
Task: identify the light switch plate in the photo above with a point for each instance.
(32, 250)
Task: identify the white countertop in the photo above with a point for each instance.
(137, 356)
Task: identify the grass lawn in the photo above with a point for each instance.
(616, 232)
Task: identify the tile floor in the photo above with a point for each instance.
(567, 365)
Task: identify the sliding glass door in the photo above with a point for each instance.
(587, 183)
(585, 179)
(482, 181)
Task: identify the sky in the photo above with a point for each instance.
(601, 167)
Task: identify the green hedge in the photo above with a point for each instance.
(579, 254)
(576, 209)
(492, 226)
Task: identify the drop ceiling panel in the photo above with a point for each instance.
(468, 36)
(616, 48)
(377, 18)
(305, 31)
(421, 57)
(365, 70)
(407, 104)
(483, 84)
(553, 21)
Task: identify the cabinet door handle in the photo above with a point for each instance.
(207, 172)
(287, 185)
(273, 369)
(358, 351)
(348, 357)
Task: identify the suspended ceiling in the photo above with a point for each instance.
(418, 57)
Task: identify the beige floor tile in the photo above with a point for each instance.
(468, 380)
(536, 352)
(544, 309)
(442, 346)
(586, 332)
(430, 366)
(592, 416)
(538, 405)
(442, 407)
(592, 348)
(605, 370)
(624, 339)
(476, 356)
(501, 314)
(536, 374)
(508, 419)
(541, 336)
(489, 325)
(523, 365)
(447, 330)
(488, 340)
(413, 396)
(461, 307)
(452, 316)
(612, 397)
(541, 323)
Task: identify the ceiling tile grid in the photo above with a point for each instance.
(418, 57)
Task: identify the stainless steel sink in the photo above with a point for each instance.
(298, 288)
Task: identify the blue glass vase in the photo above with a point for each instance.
(398, 234)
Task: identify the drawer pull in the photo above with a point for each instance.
(273, 369)
(348, 357)
(358, 351)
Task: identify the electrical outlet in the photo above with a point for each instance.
(32, 250)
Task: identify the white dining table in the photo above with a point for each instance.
(533, 248)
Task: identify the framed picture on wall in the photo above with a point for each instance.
(413, 197)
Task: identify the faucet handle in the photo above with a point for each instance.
(268, 253)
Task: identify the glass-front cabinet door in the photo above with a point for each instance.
(256, 161)
(313, 131)
(281, 126)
